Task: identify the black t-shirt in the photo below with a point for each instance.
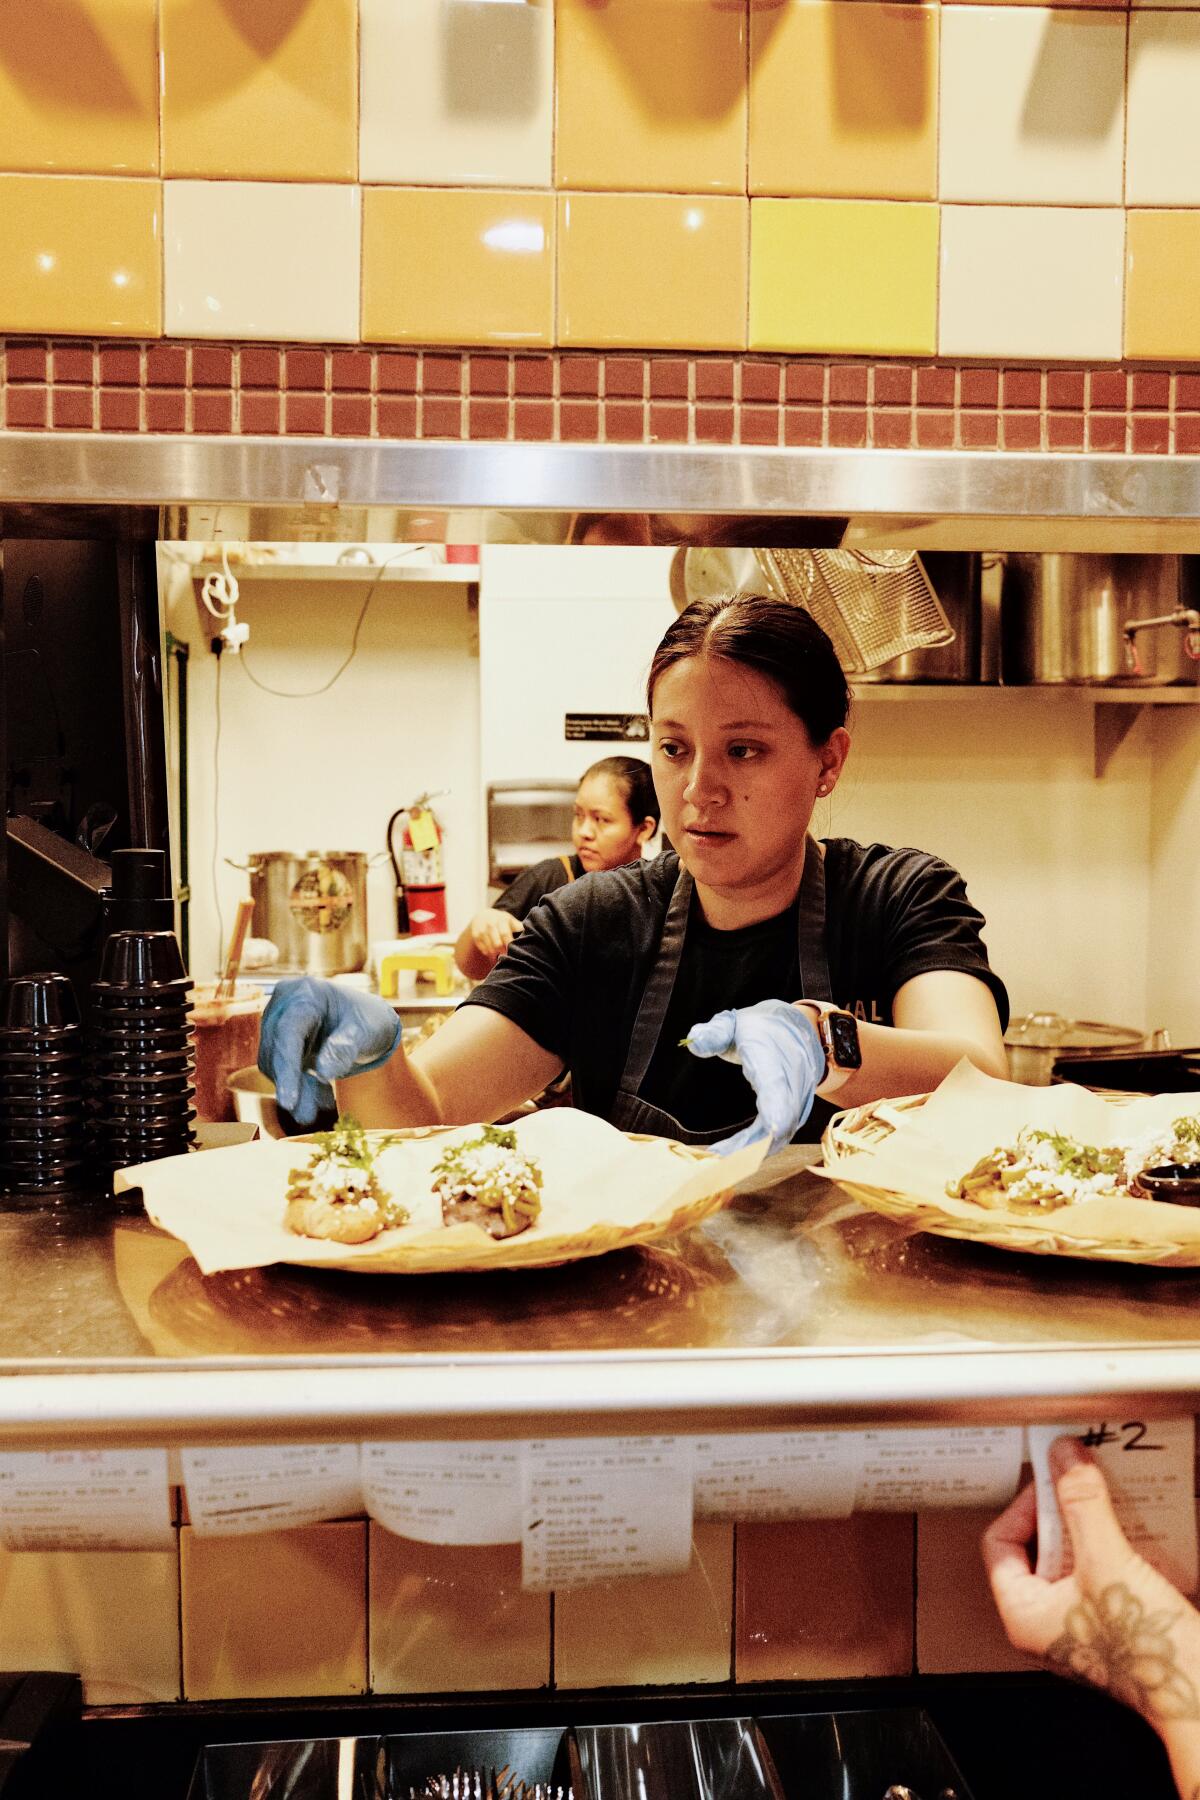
(574, 978)
(534, 883)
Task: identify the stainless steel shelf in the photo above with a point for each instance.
(691, 493)
(912, 691)
(361, 574)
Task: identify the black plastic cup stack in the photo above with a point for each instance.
(142, 1051)
(43, 1147)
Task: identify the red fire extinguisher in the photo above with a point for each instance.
(420, 869)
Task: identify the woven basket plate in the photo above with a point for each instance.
(603, 1190)
(851, 1137)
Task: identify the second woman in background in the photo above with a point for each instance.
(616, 815)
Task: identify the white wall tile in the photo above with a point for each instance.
(1162, 160)
(1031, 104)
(1031, 281)
(460, 94)
(262, 259)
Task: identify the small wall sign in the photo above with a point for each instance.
(625, 727)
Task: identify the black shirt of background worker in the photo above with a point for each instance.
(534, 883)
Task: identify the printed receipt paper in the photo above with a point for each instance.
(1149, 1467)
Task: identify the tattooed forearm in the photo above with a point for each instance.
(1113, 1642)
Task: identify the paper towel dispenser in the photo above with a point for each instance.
(527, 821)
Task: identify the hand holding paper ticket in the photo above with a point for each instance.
(1114, 1621)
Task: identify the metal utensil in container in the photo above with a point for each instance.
(874, 606)
(955, 577)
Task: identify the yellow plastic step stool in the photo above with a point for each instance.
(437, 960)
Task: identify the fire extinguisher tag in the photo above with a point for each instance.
(423, 831)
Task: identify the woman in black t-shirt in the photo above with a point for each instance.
(616, 815)
(836, 970)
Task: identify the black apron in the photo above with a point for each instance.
(629, 1111)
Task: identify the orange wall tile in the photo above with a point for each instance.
(278, 1613)
(651, 270)
(653, 1631)
(651, 95)
(868, 122)
(79, 88)
(958, 1627)
(825, 1598)
(261, 89)
(483, 273)
(445, 1619)
(80, 254)
(1162, 285)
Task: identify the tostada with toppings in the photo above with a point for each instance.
(337, 1194)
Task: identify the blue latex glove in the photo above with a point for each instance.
(781, 1057)
(313, 1033)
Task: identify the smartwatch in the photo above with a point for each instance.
(838, 1032)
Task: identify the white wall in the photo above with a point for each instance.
(325, 773)
(1172, 959)
(1001, 785)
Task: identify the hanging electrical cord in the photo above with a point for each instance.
(216, 839)
(220, 594)
(311, 693)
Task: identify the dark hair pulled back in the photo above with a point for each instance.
(778, 640)
(634, 782)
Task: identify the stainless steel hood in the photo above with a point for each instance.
(365, 490)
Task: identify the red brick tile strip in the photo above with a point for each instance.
(498, 395)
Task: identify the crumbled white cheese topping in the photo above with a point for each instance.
(333, 1180)
(487, 1172)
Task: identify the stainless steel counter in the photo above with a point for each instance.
(792, 1305)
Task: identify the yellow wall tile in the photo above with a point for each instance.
(651, 95)
(111, 1615)
(1162, 285)
(80, 92)
(260, 89)
(654, 1630)
(652, 270)
(80, 254)
(281, 1612)
(457, 266)
(958, 1627)
(858, 276)
(825, 1598)
(446, 1618)
(868, 122)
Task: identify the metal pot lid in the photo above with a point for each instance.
(1049, 1031)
